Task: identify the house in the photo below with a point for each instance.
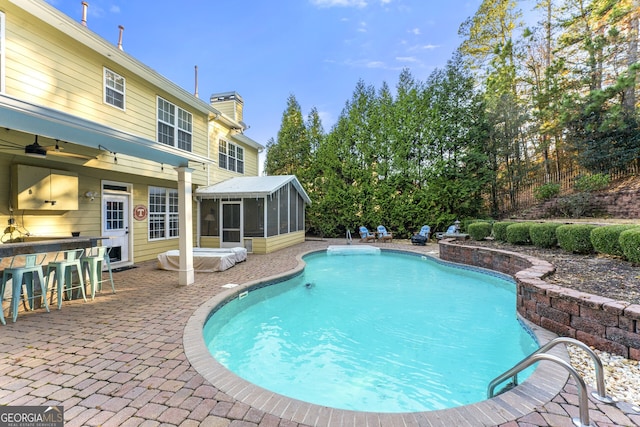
(92, 141)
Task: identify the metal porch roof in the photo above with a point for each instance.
(251, 186)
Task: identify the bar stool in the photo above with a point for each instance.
(62, 266)
(23, 271)
(92, 262)
(107, 261)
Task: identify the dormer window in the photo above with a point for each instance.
(114, 86)
(175, 125)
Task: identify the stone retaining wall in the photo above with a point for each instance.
(606, 324)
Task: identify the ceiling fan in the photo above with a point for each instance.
(40, 151)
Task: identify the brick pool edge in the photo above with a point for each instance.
(545, 383)
(606, 324)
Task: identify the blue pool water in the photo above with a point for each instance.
(385, 333)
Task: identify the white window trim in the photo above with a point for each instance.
(3, 58)
(167, 215)
(176, 127)
(237, 147)
(124, 89)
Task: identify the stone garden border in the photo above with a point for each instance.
(603, 323)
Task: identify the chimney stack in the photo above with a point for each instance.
(120, 37)
(85, 5)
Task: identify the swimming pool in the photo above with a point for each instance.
(426, 362)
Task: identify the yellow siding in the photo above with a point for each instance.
(260, 244)
(43, 66)
(218, 174)
(283, 241)
(87, 219)
(46, 67)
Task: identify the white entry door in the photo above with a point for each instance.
(231, 231)
(115, 226)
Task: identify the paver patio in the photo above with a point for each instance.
(119, 360)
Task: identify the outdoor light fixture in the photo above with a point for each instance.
(91, 195)
(35, 149)
(115, 155)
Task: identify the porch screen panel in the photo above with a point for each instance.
(300, 204)
(293, 226)
(209, 218)
(283, 195)
(272, 214)
(254, 217)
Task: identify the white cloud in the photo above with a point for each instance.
(114, 9)
(423, 47)
(362, 27)
(374, 64)
(415, 31)
(406, 59)
(339, 3)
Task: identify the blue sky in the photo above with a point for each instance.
(316, 50)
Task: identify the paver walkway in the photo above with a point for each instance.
(119, 360)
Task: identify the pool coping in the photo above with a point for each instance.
(547, 380)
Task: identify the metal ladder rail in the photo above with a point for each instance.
(583, 400)
(541, 354)
(348, 237)
(601, 391)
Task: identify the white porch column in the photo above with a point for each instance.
(185, 211)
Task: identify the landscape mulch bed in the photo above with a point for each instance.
(596, 274)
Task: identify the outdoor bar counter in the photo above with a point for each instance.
(42, 244)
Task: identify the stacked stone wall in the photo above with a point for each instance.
(603, 323)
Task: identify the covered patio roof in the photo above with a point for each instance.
(23, 116)
(251, 187)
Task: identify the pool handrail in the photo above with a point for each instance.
(541, 354)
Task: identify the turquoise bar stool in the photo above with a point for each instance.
(62, 266)
(107, 261)
(92, 264)
(23, 270)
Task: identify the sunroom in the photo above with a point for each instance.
(260, 213)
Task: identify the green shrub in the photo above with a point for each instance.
(518, 233)
(543, 235)
(606, 239)
(575, 238)
(479, 230)
(589, 183)
(546, 191)
(575, 205)
(500, 230)
(630, 243)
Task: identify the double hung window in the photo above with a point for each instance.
(230, 156)
(114, 89)
(163, 213)
(175, 125)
